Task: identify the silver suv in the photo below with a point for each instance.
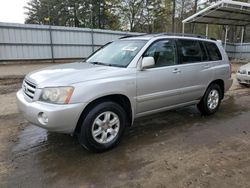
(126, 79)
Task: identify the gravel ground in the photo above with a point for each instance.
(178, 148)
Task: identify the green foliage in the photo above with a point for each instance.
(77, 13)
(147, 16)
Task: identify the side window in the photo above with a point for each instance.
(204, 52)
(213, 51)
(164, 53)
(191, 51)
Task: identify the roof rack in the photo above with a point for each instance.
(129, 36)
(169, 34)
(181, 34)
(184, 35)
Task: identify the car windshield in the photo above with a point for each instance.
(119, 53)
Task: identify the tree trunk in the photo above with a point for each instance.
(99, 14)
(173, 16)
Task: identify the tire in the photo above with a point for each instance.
(214, 95)
(99, 121)
(245, 85)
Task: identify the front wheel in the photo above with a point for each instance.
(211, 100)
(103, 127)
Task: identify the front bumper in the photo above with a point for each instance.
(61, 118)
(243, 78)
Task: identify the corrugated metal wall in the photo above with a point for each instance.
(238, 51)
(33, 42)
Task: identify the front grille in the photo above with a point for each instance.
(29, 89)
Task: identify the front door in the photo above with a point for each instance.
(161, 85)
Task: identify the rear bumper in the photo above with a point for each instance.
(61, 118)
(243, 78)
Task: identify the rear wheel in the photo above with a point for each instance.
(103, 127)
(211, 100)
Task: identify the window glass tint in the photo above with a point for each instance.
(213, 51)
(190, 51)
(204, 52)
(163, 52)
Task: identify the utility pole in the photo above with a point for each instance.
(74, 7)
(99, 14)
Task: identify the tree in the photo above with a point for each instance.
(77, 13)
(131, 11)
(146, 16)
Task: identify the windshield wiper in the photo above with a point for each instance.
(115, 65)
(106, 64)
(98, 63)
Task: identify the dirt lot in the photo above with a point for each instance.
(178, 148)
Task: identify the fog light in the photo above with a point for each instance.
(43, 118)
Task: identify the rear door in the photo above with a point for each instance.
(195, 68)
(221, 68)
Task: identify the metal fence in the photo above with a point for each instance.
(33, 42)
(238, 51)
(39, 42)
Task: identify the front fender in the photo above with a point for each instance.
(86, 92)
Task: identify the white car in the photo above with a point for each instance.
(243, 74)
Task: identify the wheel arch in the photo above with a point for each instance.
(120, 99)
(221, 84)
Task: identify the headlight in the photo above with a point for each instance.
(57, 95)
(242, 71)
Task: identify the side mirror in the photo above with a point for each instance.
(147, 62)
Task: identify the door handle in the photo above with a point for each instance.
(207, 66)
(176, 71)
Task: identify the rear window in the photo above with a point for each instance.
(213, 51)
(191, 51)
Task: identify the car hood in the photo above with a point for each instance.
(66, 74)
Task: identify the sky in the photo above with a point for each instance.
(12, 11)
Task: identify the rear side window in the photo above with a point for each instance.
(213, 51)
(191, 51)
